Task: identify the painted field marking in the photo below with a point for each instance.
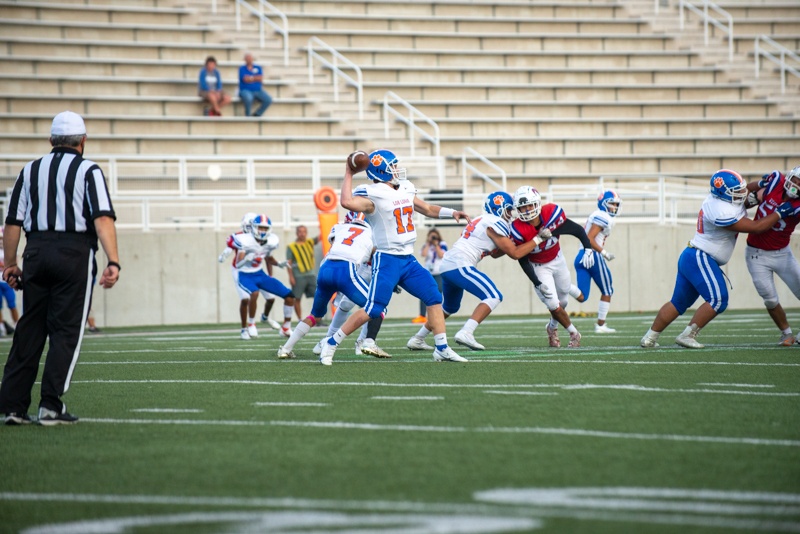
(384, 397)
(495, 392)
(627, 387)
(346, 425)
(291, 404)
(167, 410)
(722, 384)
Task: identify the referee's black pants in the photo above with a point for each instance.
(58, 275)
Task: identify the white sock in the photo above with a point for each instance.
(287, 312)
(652, 334)
(571, 329)
(363, 333)
(574, 291)
(299, 331)
(251, 320)
(470, 326)
(787, 332)
(553, 323)
(339, 336)
(440, 340)
(602, 310)
(338, 320)
(423, 332)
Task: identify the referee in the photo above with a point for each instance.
(62, 203)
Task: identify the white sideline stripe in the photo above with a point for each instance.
(628, 387)
(291, 404)
(406, 398)
(167, 410)
(345, 425)
(736, 385)
(520, 392)
(473, 358)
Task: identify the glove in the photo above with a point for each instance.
(398, 289)
(607, 255)
(588, 258)
(250, 256)
(282, 264)
(544, 235)
(225, 253)
(785, 210)
(545, 291)
(767, 178)
(751, 200)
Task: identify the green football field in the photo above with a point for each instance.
(192, 430)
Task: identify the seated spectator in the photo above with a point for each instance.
(210, 88)
(250, 78)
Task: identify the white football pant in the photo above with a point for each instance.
(762, 264)
(556, 276)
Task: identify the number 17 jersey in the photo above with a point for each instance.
(392, 221)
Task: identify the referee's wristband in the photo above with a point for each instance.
(446, 213)
(114, 264)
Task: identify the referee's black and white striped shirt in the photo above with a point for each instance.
(60, 192)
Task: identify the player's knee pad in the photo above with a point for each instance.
(492, 302)
(346, 305)
(771, 303)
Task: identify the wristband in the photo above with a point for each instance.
(446, 213)
(114, 264)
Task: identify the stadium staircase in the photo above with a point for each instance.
(562, 91)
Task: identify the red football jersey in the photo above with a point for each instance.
(552, 216)
(778, 236)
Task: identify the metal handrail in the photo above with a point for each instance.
(264, 19)
(409, 122)
(707, 19)
(784, 53)
(465, 165)
(336, 71)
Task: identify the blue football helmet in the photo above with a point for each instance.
(729, 186)
(499, 203)
(527, 196)
(355, 217)
(609, 202)
(792, 183)
(383, 167)
(261, 226)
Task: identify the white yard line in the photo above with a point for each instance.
(346, 425)
(723, 384)
(167, 410)
(291, 404)
(406, 398)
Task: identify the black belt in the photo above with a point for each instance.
(88, 239)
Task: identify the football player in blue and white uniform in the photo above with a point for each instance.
(722, 216)
(487, 234)
(598, 227)
(351, 246)
(253, 249)
(389, 203)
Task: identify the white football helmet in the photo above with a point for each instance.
(528, 198)
(792, 183)
(260, 228)
(247, 222)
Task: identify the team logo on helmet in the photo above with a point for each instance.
(719, 182)
(498, 200)
(377, 159)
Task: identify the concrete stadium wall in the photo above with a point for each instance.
(174, 278)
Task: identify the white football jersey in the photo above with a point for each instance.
(605, 221)
(712, 237)
(474, 243)
(248, 244)
(350, 242)
(392, 221)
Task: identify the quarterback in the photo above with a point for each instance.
(768, 254)
(722, 216)
(389, 203)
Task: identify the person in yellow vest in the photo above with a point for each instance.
(303, 274)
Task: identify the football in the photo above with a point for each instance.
(358, 161)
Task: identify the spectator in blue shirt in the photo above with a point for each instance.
(250, 78)
(210, 88)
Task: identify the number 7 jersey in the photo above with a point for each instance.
(350, 242)
(392, 221)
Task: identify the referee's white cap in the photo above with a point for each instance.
(68, 123)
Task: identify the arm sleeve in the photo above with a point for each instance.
(201, 82)
(528, 268)
(570, 227)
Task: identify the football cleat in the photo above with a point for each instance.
(574, 340)
(447, 355)
(252, 330)
(370, 348)
(275, 325)
(285, 354)
(328, 350)
(689, 341)
(552, 336)
(286, 331)
(418, 343)
(603, 329)
(648, 342)
(245, 334)
(318, 347)
(467, 339)
(787, 340)
(358, 347)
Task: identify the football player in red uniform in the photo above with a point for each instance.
(545, 265)
(769, 254)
